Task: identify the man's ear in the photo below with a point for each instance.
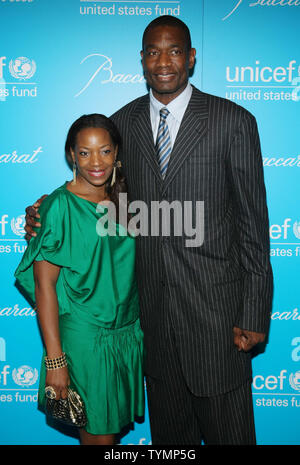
(142, 57)
(192, 56)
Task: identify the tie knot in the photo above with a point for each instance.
(164, 113)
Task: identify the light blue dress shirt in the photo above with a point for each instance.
(176, 108)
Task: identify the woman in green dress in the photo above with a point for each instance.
(83, 284)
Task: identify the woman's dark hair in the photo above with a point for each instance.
(96, 120)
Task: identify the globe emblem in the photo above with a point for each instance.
(17, 225)
(296, 229)
(295, 380)
(25, 375)
(22, 68)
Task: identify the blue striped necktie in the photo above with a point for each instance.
(163, 142)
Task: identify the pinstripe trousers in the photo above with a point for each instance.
(178, 417)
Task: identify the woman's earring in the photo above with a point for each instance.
(113, 179)
(74, 172)
(117, 164)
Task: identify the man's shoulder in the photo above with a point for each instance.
(129, 108)
(228, 107)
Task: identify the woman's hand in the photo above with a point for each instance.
(59, 379)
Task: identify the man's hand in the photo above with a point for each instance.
(245, 340)
(30, 218)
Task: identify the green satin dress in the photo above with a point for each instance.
(98, 307)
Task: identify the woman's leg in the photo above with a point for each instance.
(87, 439)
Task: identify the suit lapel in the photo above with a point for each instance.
(192, 129)
(142, 132)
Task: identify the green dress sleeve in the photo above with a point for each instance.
(52, 242)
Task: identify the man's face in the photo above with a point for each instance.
(166, 62)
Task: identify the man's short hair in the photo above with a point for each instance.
(171, 21)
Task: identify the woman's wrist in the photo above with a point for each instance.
(56, 362)
(53, 346)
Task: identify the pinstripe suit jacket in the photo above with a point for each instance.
(225, 282)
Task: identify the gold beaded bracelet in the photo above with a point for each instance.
(54, 363)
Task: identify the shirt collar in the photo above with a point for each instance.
(177, 106)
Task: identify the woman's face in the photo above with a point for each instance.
(94, 154)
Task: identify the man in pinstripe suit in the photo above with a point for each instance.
(202, 308)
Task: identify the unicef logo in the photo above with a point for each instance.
(22, 68)
(25, 375)
(296, 229)
(17, 225)
(295, 380)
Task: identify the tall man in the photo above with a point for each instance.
(204, 307)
